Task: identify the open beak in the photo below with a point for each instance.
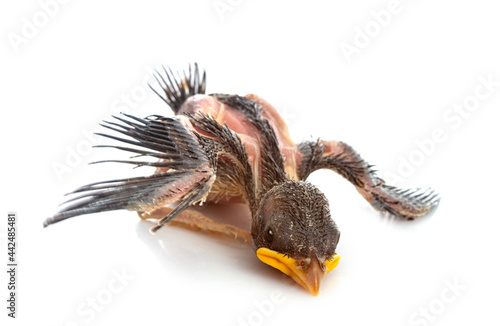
(309, 276)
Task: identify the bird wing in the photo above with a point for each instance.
(343, 159)
(186, 150)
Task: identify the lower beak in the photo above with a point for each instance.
(309, 277)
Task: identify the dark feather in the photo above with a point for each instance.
(272, 165)
(165, 138)
(176, 88)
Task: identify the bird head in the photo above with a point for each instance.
(293, 232)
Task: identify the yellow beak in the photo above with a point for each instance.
(309, 276)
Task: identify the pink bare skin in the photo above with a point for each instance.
(249, 135)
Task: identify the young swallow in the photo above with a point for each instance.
(223, 148)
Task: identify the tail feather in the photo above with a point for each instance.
(176, 88)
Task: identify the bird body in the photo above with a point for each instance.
(223, 148)
(221, 111)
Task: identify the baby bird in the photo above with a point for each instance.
(223, 148)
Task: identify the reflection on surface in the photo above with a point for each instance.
(206, 256)
(199, 251)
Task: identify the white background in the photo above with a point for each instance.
(80, 65)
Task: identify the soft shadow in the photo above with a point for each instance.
(188, 249)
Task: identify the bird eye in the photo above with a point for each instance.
(269, 235)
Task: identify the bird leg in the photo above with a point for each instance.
(197, 221)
